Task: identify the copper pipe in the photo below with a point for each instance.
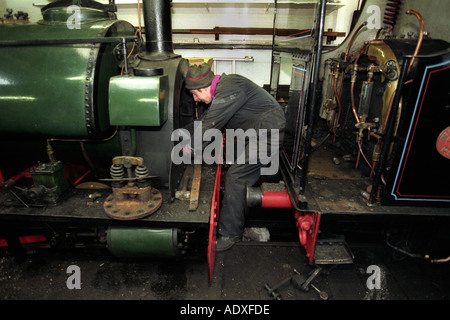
(361, 152)
(378, 147)
(342, 73)
(373, 134)
(378, 33)
(352, 87)
(346, 54)
(358, 157)
(352, 96)
(341, 82)
(419, 41)
(331, 123)
(441, 260)
(353, 39)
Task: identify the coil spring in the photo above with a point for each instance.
(117, 171)
(391, 13)
(141, 172)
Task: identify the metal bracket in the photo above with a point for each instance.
(308, 229)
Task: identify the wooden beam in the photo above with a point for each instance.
(195, 188)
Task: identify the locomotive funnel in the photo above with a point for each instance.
(158, 30)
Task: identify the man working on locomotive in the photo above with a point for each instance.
(236, 103)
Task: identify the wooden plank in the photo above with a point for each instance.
(183, 193)
(195, 187)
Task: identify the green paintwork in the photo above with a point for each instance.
(132, 242)
(138, 101)
(58, 91)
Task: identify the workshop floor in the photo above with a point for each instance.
(240, 274)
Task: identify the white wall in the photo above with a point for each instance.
(207, 14)
(22, 5)
(435, 14)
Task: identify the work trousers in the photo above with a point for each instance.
(231, 215)
(237, 177)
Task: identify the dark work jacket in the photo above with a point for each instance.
(239, 103)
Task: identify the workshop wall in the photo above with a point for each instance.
(195, 14)
(435, 14)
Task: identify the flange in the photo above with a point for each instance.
(130, 203)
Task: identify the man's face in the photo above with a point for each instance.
(202, 94)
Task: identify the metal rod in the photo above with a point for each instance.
(272, 75)
(125, 60)
(205, 46)
(313, 108)
(296, 204)
(21, 43)
(389, 130)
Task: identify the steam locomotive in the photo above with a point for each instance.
(89, 95)
(87, 116)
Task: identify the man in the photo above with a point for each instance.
(236, 103)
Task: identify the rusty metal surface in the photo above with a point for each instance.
(132, 203)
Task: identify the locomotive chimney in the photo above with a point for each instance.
(158, 30)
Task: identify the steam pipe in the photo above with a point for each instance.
(441, 260)
(353, 39)
(352, 96)
(345, 60)
(419, 41)
(355, 70)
